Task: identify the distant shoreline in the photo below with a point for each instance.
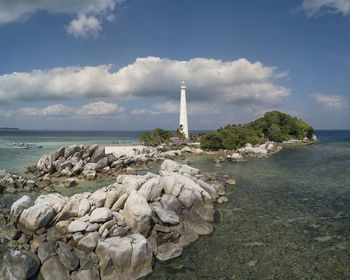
(9, 129)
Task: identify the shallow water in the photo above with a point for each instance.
(288, 217)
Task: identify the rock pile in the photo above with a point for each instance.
(13, 183)
(90, 161)
(115, 232)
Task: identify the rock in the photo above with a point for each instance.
(167, 216)
(170, 166)
(98, 154)
(77, 225)
(10, 232)
(231, 181)
(222, 199)
(90, 175)
(130, 170)
(161, 228)
(69, 260)
(69, 211)
(86, 275)
(187, 238)
(55, 200)
(120, 202)
(69, 182)
(106, 225)
(151, 190)
(196, 223)
(19, 265)
(90, 166)
(84, 207)
(168, 251)
(45, 164)
(59, 153)
(126, 258)
(102, 163)
(98, 198)
(46, 250)
(186, 197)
(71, 150)
(90, 150)
(170, 202)
(170, 183)
(77, 236)
(188, 169)
(111, 198)
(53, 269)
(88, 243)
(37, 216)
(18, 206)
(99, 215)
(78, 167)
(236, 156)
(37, 241)
(92, 227)
(137, 213)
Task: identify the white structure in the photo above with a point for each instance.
(183, 110)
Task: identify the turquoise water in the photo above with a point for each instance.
(288, 217)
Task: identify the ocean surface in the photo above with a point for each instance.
(288, 217)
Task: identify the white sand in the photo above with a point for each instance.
(122, 150)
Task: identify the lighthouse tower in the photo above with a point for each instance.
(183, 110)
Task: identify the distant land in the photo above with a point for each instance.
(9, 128)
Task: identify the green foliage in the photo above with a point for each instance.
(274, 126)
(180, 133)
(162, 150)
(157, 137)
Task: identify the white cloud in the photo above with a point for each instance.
(90, 13)
(84, 26)
(238, 81)
(174, 108)
(316, 7)
(97, 109)
(330, 101)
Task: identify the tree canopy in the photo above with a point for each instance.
(274, 126)
(156, 137)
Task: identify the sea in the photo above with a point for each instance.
(288, 216)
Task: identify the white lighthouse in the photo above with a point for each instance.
(183, 110)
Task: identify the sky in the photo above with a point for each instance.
(119, 64)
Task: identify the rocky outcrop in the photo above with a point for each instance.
(12, 183)
(116, 230)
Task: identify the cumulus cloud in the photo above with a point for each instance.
(95, 109)
(317, 7)
(89, 13)
(330, 101)
(174, 108)
(238, 81)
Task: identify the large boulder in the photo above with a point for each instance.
(170, 166)
(71, 150)
(55, 200)
(88, 243)
(167, 216)
(45, 164)
(19, 265)
(137, 213)
(18, 206)
(126, 258)
(98, 198)
(152, 189)
(70, 210)
(77, 226)
(99, 215)
(59, 153)
(98, 154)
(53, 269)
(102, 163)
(36, 217)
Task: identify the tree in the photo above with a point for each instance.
(157, 137)
(180, 133)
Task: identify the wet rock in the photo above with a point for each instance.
(196, 223)
(70, 182)
(37, 216)
(168, 251)
(19, 265)
(53, 269)
(187, 238)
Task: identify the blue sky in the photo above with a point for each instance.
(118, 64)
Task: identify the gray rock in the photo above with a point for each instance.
(88, 243)
(53, 269)
(86, 275)
(168, 251)
(69, 211)
(69, 259)
(59, 153)
(120, 202)
(37, 216)
(77, 225)
(102, 163)
(187, 238)
(137, 213)
(100, 215)
(170, 202)
(78, 167)
(90, 150)
(92, 227)
(111, 198)
(84, 207)
(151, 190)
(19, 265)
(90, 175)
(167, 216)
(71, 150)
(46, 250)
(69, 182)
(55, 200)
(186, 197)
(196, 223)
(170, 166)
(98, 198)
(45, 164)
(98, 154)
(18, 206)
